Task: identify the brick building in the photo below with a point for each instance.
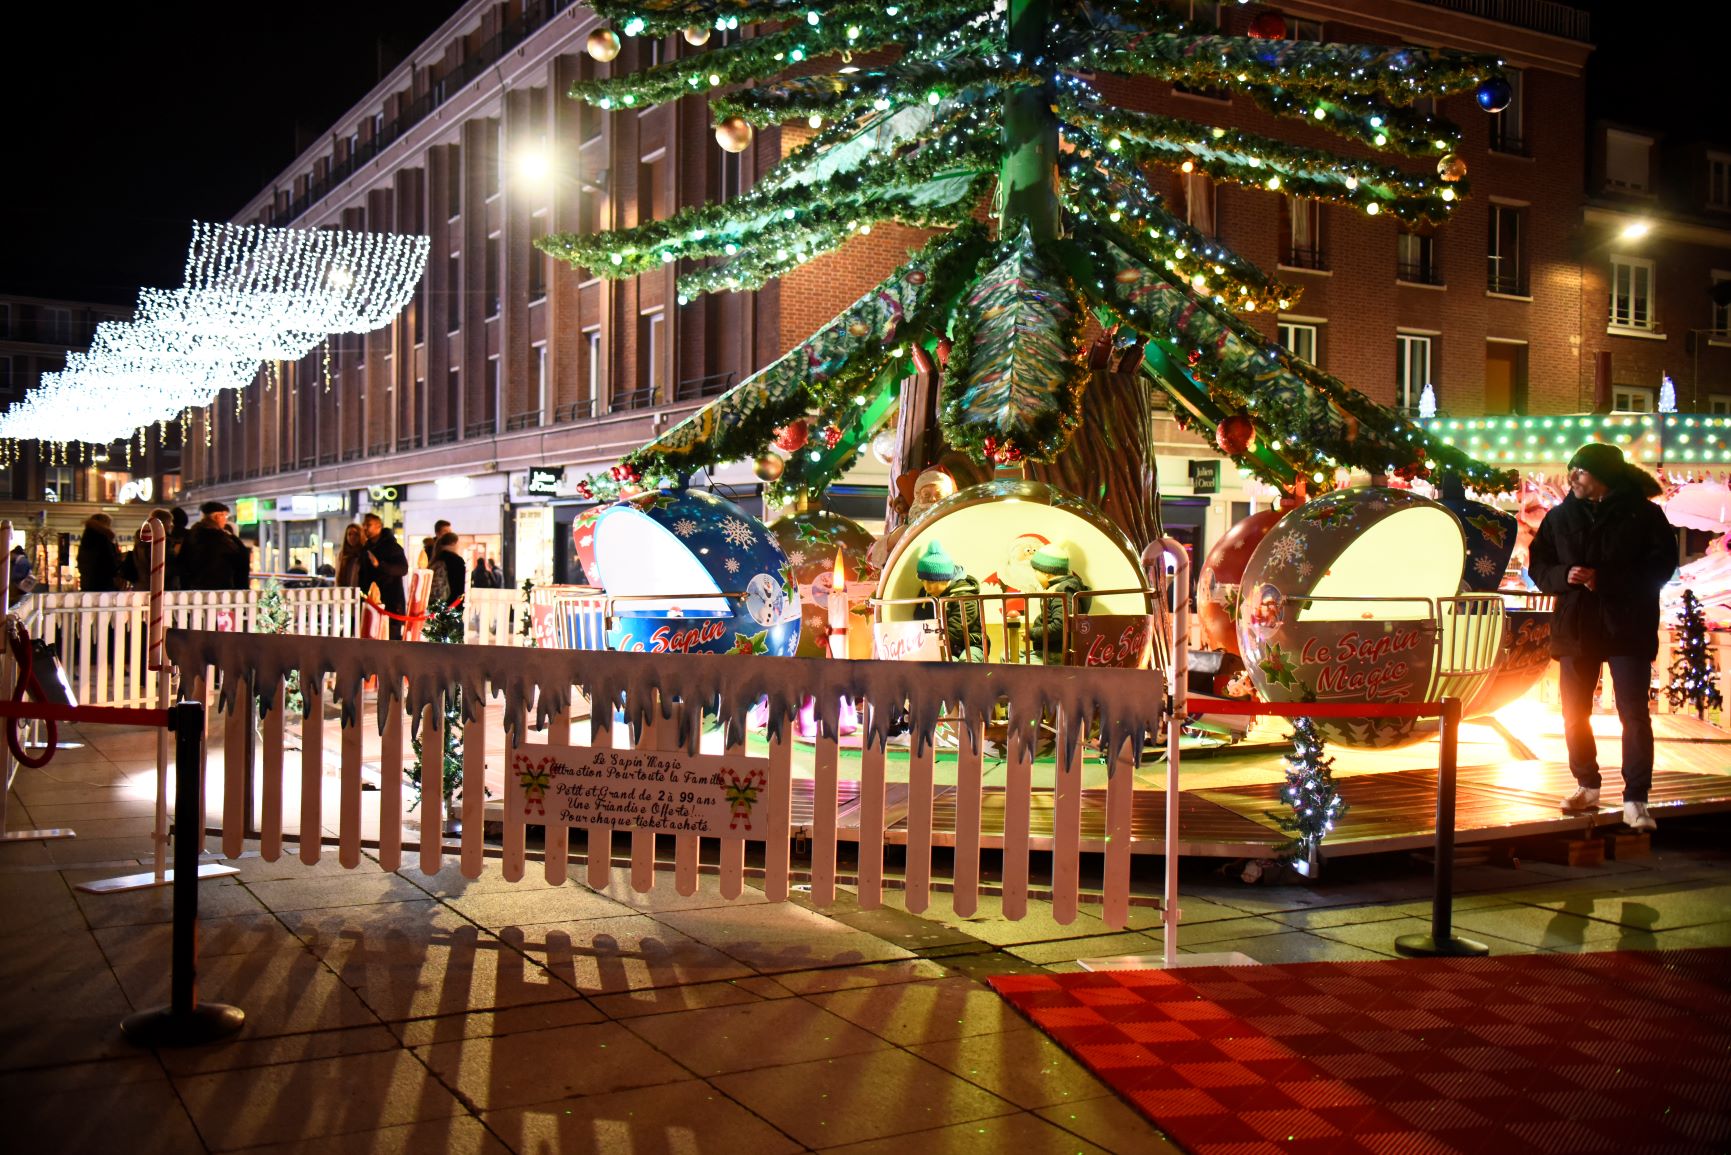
(508, 361)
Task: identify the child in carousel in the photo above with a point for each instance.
(1047, 632)
(942, 578)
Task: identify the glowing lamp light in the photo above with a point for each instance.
(534, 165)
(1635, 230)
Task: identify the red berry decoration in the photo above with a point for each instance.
(1193, 358)
(626, 472)
(1236, 435)
(792, 437)
(1268, 26)
(832, 435)
(585, 491)
(943, 351)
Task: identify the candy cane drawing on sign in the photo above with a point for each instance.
(666, 791)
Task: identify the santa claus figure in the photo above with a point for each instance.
(1017, 575)
(930, 487)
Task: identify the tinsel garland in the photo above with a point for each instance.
(926, 189)
(810, 470)
(1694, 673)
(828, 368)
(1287, 398)
(1254, 161)
(1013, 385)
(843, 95)
(1310, 792)
(846, 28)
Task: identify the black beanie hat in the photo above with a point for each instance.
(1603, 461)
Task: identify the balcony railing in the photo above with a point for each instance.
(1419, 272)
(1545, 16)
(1311, 258)
(695, 388)
(636, 399)
(528, 420)
(576, 411)
(1509, 284)
(483, 428)
(441, 437)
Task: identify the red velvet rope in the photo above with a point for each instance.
(1196, 704)
(409, 618)
(18, 638)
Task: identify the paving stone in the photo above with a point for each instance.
(452, 1135)
(764, 1033)
(1023, 1066)
(244, 1051)
(291, 1102)
(1378, 937)
(1227, 928)
(873, 975)
(833, 1102)
(141, 1117)
(666, 1000)
(686, 1118)
(542, 1066)
(1109, 1122)
(1288, 946)
(217, 898)
(605, 955)
(237, 934)
(1023, 1133)
(334, 891)
(776, 937)
(282, 992)
(539, 1016)
(497, 909)
(1071, 949)
(1551, 929)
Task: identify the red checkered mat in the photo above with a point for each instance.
(1618, 1052)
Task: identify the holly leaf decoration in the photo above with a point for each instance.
(1014, 376)
(1278, 668)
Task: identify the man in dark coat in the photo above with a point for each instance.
(212, 557)
(384, 564)
(1605, 552)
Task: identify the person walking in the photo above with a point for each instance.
(212, 557)
(484, 576)
(383, 564)
(19, 580)
(99, 559)
(1605, 552)
(430, 543)
(349, 557)
(448, 571)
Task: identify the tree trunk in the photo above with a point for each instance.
(1109, 463)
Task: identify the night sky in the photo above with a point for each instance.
(126, 122)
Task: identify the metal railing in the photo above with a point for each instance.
(1545, 16)
(695, 388)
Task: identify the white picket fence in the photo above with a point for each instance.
(101, 637)
(1096, 713)
(493, 617)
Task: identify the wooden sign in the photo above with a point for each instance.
(1124, 641)
(665, 791)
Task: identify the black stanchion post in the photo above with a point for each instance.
(185, 1022)
(1441, 939)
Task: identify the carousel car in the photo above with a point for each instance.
(1014, 549)
(688, 572)
(1355, 597)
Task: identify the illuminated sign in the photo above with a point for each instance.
(546, 479)
(246, 511)
(313, 504)
(389, 493)
(140, 490)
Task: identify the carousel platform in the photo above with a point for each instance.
(1227, 814)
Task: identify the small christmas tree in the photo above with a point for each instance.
(1311, 792)
(526, 613)
(444, 626)
(275, 617)
(1694, 673)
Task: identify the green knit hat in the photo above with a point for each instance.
(937, 566)
(1053, 558)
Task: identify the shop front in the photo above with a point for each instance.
(295, 535)
(473, 504)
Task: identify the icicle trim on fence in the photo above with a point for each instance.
(1126, 704)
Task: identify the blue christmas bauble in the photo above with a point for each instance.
(1494, 94)
(701, 575)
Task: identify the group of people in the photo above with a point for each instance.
(204, 555)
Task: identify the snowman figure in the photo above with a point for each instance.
(1018, 575)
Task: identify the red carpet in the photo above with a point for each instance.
(1616, 1052)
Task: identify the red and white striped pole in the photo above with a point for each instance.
(155, 535)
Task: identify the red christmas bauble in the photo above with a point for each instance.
(791, 437)
(832, 435)
(1268, 26)
(943, 350)
(1236, 435)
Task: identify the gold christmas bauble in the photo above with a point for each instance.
(696, 35)
(603, 45)
(734, 134)
(858, 328)
(1451, 167)
(769, 467)
(1128, 276)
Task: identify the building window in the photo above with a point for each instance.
(651, 197)
(5, 322)
(1718, 181)
(728, 175)
(1416, 256)
(593, 366)
(56, 327)
(1720, 303)
(1303, 234)
(652, 326)
(542, 384)
(493, 275)
(1719, 403)
(1506, 126)
(454, 181)
(1632, 293)
(1507, 270)
(1628, 161)
(1631, 399)
(6, 375)
(1310, 30)
(1413, 369)
(1198, 193)
(1300, 340)
(490, 162)
(453, 398)
(1505, 377)
(453, 293)
(537, 259)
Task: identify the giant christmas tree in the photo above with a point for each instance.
(982, 112)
